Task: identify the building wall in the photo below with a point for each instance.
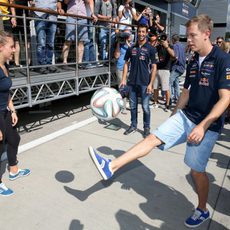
(218, 11)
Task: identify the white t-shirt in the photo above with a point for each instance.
(127, 17)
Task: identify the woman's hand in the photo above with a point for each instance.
(14, 118)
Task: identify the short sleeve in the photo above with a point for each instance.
(187, 80)
(224, 73)
(128, 54)
(121, 7)
(153, 55)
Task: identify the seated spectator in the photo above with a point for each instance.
(46, 31)
(77, 7)
(146, 17)
(105, 10)
(126, 14)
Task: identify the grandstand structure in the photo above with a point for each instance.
(31, 88)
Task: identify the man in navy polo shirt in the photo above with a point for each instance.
(197, 119)
(140, 80)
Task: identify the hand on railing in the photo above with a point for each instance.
(13, 22)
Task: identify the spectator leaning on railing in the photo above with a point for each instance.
(46, 31)
(77, 7)
(106, 10)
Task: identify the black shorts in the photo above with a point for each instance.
(19, 30)
(7, 26)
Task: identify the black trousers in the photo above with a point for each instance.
(10, 139)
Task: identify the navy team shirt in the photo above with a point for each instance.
(140, 59)
(203, 84)
(5, 84)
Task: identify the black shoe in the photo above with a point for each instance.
(130, 130)
(53, 69)
(43, 70)
(146, 132)
(81, 66)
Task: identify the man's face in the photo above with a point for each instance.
(197, 39)
(142, 33)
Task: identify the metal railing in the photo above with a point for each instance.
(31, 87)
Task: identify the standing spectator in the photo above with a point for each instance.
(89, 44)
(197, 119)
(46, 31)
(140, 79)
(122, 46)
(157, 24)
(126, 14)
(145, 17)
(105, 10)
(8, 116)
(77, 7)
(163, 71)
(219, 41)
(8, 22)
(177, 67)
(18, 30)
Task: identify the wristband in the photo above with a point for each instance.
(13, 111)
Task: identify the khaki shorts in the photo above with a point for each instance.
(162, 78)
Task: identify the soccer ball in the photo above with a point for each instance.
(106, 103)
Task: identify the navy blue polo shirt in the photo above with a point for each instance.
(203, 84)
(140, 59)
(5, 84)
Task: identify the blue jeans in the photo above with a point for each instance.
(45, 41)
(136, 90)
(103, 38)
(174, 84)
(89, 49)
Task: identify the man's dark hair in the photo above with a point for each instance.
(220, 38)
(143, 26)
(175, 37)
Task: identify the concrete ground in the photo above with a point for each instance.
(65, 191)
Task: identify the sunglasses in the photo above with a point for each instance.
(219, 42)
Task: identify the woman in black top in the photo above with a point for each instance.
(9, 137)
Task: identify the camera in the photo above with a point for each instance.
(122, 36)
(154, 18)
(162, 37)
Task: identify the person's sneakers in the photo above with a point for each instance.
(101, 163)
(198, 217)
(146, 132)
(131, 129)
(53, 69)
(167, 108)
(43, 70)
(155, 105)
(4, 191)
(20, 173)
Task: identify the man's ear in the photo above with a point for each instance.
(208, 33)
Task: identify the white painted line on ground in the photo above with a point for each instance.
(42, 140)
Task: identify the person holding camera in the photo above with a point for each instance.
(126, 14)
(145, 17)
(163, 69)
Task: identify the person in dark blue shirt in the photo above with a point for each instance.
(196, 120)
(8, 117)
(140, 79)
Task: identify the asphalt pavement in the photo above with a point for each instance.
(65, 191)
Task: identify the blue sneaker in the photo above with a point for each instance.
(4, 191)
(20, 173)
(199, 216)
(101, 163)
